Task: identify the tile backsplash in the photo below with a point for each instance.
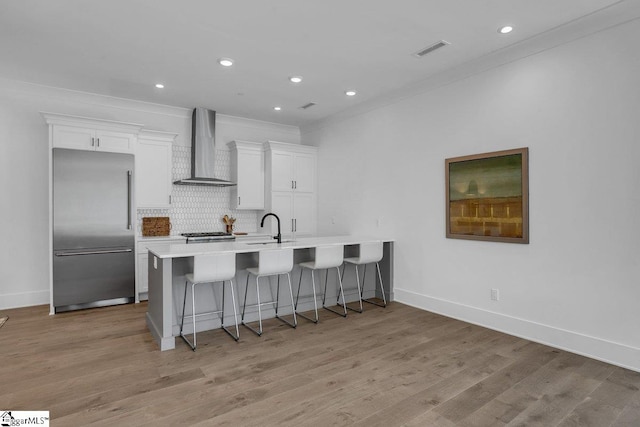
(199, 208)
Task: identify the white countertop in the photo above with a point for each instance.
(180, 250)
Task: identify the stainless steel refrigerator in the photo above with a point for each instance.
(93, 240)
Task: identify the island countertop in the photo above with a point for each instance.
(180, 250)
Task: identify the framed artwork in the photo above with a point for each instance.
(488, 196)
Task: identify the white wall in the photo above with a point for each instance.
(24, 262)
(577, 107)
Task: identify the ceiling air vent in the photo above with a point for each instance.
(429, 49)
(309, 105)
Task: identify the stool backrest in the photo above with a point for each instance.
(214, 267)
(275, 261)
(329, 256)
(370, 252)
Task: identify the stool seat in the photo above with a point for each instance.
(214, 268)
(326, 257)
(271, 262)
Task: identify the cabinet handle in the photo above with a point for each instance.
(98, 141)
(295, 185)
(93, 141)
(169, 199)
(129, 200)
(292, 184)
(292, 225)
(295, 224)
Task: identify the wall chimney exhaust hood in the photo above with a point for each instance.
(203, 151)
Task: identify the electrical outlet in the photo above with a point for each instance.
(495, 294)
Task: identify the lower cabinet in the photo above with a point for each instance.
(142, 260)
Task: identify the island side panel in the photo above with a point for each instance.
(386, 271)
(160, 312)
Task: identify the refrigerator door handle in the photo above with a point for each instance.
(93, 252)
(128, 200)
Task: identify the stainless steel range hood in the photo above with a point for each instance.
(203, 151)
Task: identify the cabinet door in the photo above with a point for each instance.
(250, 175)
(153, 174)
(73, 137)
(281, 171)
(304, 172)
(282, 205)
(304, 213)
(115, 142)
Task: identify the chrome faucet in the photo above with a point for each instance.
(278, 237)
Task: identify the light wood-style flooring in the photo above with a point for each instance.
(385, 367)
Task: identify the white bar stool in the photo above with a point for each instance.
(368, 254)
(271, 262)
(327, 257)
(212, 269)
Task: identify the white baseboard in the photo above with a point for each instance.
(596, 348)
(23, 299)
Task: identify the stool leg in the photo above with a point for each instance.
(314, 297)
(299, 284)
(359, 288)
(235, 315)
(295, 321)
(259, 305)
(344, 306)
(384, 298)
(184, 304)
(344, 303)
(193, 313)
(245, 306)
(341, 293)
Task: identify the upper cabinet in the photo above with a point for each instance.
(82, 133)
(291, 186)
(291, 170)
(154, 154)
(247, 171)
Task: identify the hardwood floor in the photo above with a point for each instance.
(385, 367)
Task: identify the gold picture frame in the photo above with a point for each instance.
(488, 196)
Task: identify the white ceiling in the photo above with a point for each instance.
(123, 47)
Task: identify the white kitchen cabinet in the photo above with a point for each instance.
(292, 170)
(154, 169)
(142, 261)
(82, 133)
(247, 171)
(290, 190)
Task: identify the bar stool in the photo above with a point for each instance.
(271, 262)
(327, 257)
(214, 268)
(368, 254)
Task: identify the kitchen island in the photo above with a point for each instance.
(169, 263)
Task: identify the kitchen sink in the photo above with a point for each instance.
(270, 242)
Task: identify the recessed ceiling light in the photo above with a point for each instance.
(159, 85)
(225, 62)
(277, 108)
(505, 30)
(295, 79)
(350, 93)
